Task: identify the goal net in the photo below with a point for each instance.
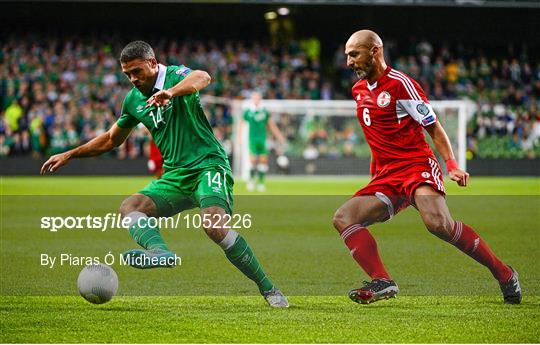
(324, 137)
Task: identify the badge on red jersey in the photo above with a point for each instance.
(422, 108)
(384, 99)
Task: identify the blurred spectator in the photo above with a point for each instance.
(13, 114)
(5, 145)
(59, 93)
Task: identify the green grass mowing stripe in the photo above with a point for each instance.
(126, 185)
(328, 319)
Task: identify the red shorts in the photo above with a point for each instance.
(155, 161)
(155, 165)
(395, 183)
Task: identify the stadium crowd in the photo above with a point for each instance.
(58, 93)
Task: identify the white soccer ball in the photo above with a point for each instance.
(97, 283)
(282, 161)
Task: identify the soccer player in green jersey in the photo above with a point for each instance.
(196, 169)
(258, 119)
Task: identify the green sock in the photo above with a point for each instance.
(261, 176)
(241, 256)
(252, 173)
(147, 237)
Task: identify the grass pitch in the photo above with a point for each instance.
(310, 319)
(444, 297)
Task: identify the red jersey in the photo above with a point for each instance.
(155, 155)
(155, 160)
(392, 113)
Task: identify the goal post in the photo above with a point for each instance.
(328, 130)
(302, 110)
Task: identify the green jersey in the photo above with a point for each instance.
(257, 119)
(180, 128)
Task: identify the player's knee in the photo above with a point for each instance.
(214, 223)
(135, 203)
(213, 217)
(340, 220)
(439, 224)
(127, 207)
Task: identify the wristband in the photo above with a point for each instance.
(451, 164)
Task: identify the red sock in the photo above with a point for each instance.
(364, 250)
(469, 242)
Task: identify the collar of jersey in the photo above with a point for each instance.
(160, 81)
(371, 87)
(252, 107)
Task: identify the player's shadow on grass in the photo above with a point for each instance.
(122, 308)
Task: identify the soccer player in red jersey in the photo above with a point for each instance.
(155, 160)
(393, 112)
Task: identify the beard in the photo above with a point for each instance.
(366, 72)
(361, 74)
(144, 89)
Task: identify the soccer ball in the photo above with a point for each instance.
(97, 283)
(282, 162)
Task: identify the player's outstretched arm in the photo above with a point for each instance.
(278, 135)
(276, 132)
(100, 144)
(195, 81)
(444, 147)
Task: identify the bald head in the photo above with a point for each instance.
(365, 38)
(365, 57)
